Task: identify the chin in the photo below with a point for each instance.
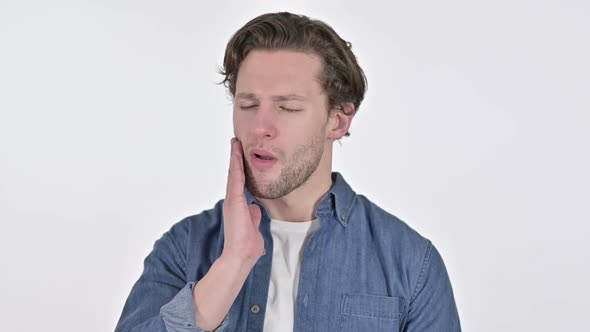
(257, 181)
(260, 188)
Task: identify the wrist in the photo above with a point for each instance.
(237, 261)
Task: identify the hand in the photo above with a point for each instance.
(243, 239)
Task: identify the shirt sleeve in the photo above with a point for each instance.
(179, 314)
(161, 299)
(432, 307)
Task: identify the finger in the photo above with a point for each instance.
(236, 177)
(255, 214)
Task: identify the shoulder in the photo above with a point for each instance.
(394, 237)
(195, 241)
(388, 223)
(197, 227)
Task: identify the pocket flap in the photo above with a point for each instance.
(374, 306)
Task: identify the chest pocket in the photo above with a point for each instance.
(362, 312)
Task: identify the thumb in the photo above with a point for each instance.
(255, 214)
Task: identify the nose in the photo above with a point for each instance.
(264, 124)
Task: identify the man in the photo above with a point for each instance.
(291, 247)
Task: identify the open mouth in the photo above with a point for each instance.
(259, 156)
(262, 160)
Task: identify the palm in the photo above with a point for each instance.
(241, 222)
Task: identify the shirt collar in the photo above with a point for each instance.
(339, 199)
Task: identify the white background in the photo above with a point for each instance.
(474, 131)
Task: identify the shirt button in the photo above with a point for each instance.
(255, 309)
(344, 218)
(264, 252)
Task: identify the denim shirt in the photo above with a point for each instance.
(363, 269)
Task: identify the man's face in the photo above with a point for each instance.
(280, 116)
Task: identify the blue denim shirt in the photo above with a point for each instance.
(363, 269)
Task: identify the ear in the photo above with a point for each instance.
(339, 120)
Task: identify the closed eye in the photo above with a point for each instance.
(247, 107)
(289, 109)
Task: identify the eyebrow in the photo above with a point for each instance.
(251, 96)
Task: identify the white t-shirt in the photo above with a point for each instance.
(288, 240)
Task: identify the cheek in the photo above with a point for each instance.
(309, 129)
(239, 123)
(303, 135)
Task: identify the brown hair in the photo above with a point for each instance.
(342, 78)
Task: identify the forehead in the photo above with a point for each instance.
(282, 72)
